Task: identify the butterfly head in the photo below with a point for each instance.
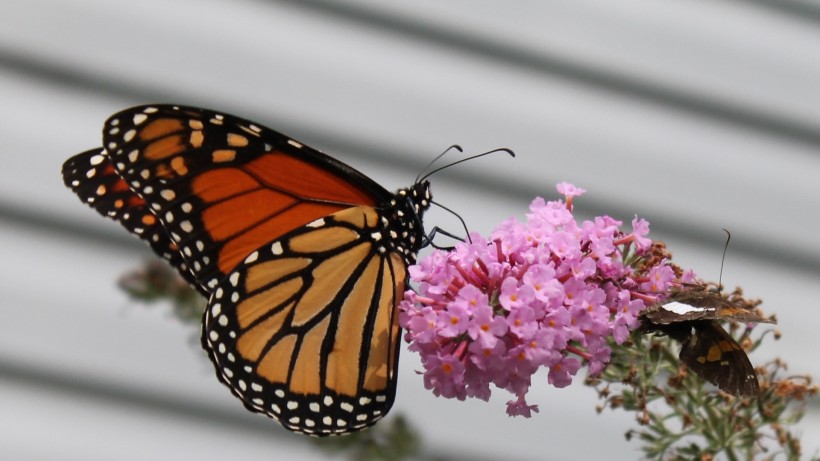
(419, 195)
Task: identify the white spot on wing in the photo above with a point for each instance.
(276, 248)
(681, 309)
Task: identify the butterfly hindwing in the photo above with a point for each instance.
(716, 357)
(307, 295)
(92, 176)
(223, 186)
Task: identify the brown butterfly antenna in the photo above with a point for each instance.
(723, 259)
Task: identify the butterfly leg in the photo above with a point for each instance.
(428, 239)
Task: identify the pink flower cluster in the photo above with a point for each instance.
(546, 293)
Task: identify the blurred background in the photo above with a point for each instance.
(695, 115)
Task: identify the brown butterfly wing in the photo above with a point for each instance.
(699, 305)
(716, 357)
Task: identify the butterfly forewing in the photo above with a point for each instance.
(305, 329)
(696, 305)
(92, 176)
(223, 186)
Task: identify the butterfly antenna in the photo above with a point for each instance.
(725, 247)
(503, 149)
(454, 146)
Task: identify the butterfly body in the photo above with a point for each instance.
(303, 258)
(692, 318)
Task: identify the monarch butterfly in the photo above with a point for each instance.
(303, 259)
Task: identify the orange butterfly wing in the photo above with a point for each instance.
(223, 186)
(305, 329)
(304, 258)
